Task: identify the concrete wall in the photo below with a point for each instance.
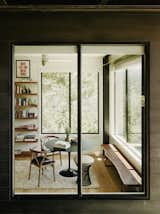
(79, 27)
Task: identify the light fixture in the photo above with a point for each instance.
(44, 59)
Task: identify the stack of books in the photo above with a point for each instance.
(30, 138)
(26, 127)
(19, 137)
(26, 138)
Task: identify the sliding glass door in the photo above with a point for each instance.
(79, 119)
(111, 157)
(45, 119)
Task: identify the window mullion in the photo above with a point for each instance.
(126, 98)
(70, 108)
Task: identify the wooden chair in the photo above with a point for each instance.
(40, 159)
(44, 140)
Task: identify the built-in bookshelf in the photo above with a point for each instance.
(26, 111)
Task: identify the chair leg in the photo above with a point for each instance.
(60, 155)
(29, 171)
(54, 178)
(39, 176)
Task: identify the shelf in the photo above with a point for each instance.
(25, 130)
(26, 118)
(21, 95)
(29, 82)
(26, 141)
(23, 154)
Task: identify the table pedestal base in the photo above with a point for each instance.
(68, 172)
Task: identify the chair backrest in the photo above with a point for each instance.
(44, 139)
(38, 153)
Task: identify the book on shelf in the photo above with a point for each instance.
(23, 88)
(30, 138)
(20, 137)
(27, 127)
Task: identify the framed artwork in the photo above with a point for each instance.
(22, 68)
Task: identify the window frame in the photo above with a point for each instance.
(145, 118)
(146, 113)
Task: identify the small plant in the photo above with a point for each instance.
(67, 131)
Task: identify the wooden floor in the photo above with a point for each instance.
(107, 178)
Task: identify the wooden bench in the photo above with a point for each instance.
(131, 180)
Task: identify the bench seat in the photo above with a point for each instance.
(128, 175)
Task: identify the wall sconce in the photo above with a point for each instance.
(44, 59)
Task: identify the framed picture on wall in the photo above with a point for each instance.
(22, 68)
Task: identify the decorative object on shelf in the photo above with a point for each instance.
(22, 68)
(19, 137)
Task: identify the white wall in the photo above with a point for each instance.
(90, 142)
(35, 68)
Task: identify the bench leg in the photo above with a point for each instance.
(107, 162)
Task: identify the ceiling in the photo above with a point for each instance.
(79, 2)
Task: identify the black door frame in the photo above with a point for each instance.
(146, 146)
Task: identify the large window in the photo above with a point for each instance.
(55, 102)
(128, 120)
(59, 102)
(90, 85)
(76, 101)
(120, 103)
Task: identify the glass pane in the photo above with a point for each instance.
(74, 103)
(92, 119)
(55, 102)
(111, 87)
(90, 78)
(134, 104)
(45, 105)
(120, 103)
(45, 117)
